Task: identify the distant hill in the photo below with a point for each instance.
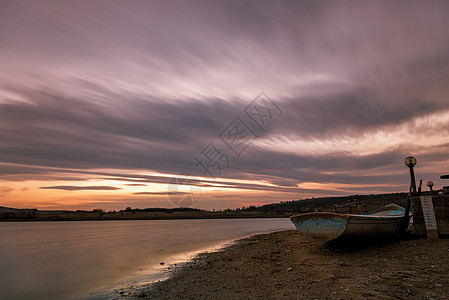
(4, 209)
(360, 202)
(17, 213)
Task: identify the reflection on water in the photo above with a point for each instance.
(54, 260)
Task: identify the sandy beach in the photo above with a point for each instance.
(287, 265)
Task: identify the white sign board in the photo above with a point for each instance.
(429, 217)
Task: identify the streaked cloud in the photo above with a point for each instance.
(80, 188)
(124, 99)
(161, 193)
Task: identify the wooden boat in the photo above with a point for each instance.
(386, 222)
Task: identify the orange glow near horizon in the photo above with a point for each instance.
(29, 194)
(115, 189)
(103, 188)
(81, 191)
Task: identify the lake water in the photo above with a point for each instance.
(55, 260)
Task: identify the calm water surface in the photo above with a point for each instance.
(60, 260)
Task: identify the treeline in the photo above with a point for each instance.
(134, 210)
(27, 214)
(330, 203)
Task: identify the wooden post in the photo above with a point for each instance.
(420, 186)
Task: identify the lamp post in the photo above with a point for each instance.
(430, 185)
(410, 162)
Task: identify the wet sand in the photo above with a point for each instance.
(287, 265)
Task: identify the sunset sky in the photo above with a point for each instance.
(109, 104)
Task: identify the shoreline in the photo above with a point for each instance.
(103, 258)
(166, 268)
(287, 265)
(172, 266)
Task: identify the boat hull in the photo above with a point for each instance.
(325, 226)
